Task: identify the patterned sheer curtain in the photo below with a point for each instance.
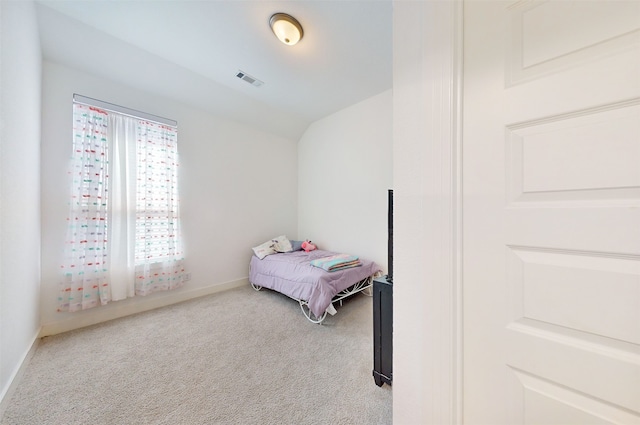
(126, 243)
(159, 263)
(85, 282)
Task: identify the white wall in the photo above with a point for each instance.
(20, 76)
(345, 168)
(238, 188)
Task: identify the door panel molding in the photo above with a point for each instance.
(543, 166)
(564, 289)
(535, 49)
(594, 369)
(536, 399)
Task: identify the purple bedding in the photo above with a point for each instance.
(292, 274)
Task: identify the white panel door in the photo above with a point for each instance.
(551, 198)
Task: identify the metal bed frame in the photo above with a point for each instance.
(361, 286)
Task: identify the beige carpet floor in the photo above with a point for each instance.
(237, 357)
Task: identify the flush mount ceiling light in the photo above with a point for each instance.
(286, 28)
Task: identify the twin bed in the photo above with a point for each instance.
(315, 289)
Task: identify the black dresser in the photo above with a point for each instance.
(382, 331)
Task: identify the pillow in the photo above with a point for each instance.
(296, 245)
(265, 249)
(281, 244)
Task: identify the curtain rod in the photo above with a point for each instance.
(123, 110)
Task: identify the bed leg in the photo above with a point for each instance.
(309, 315)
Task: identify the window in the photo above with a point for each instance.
(123, 236)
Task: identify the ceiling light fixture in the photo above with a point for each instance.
(286, 28)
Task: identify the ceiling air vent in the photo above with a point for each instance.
(249, 79)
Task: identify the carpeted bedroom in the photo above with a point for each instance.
(236, 357)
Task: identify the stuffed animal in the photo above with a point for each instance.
(308, 246)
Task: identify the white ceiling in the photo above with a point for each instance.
(191, 51)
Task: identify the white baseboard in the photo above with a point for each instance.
(98, 315)
(8, 391)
